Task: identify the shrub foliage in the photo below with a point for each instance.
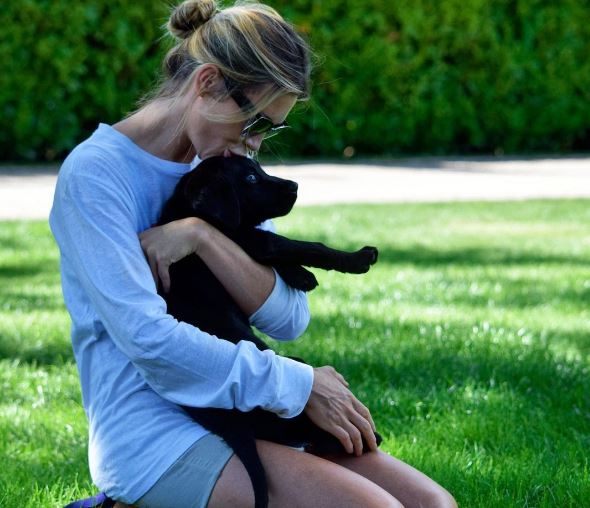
(444, 76)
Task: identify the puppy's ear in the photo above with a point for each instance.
(213, 198)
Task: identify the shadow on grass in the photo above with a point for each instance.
(426, 257)
(526, 295)
(417, 360)
(46, 353)
(522, 293)
(493, 292)
(13, 242)
(26, 269)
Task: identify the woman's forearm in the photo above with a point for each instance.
(248, 282)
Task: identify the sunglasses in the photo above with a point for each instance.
(259, 124)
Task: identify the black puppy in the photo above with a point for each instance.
(235, 195)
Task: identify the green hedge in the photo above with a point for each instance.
(64, 66)
(427, 76)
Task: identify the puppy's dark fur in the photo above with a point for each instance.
(235, 195)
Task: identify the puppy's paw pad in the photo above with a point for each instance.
(363, 259)
(371, 254)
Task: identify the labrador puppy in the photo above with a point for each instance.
(235, 195)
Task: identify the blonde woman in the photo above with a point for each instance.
(230, 82)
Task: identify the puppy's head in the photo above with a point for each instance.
(233, 192)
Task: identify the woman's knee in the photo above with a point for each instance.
(438, 498)
(366, 497)
(410, 486)
(435, 496)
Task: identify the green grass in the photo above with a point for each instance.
(469, 341)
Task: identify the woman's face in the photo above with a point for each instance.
(215, 138)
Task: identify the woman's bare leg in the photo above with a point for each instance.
(295, 479)
(298, 479)
(411, 487)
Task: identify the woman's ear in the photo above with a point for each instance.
(207, 80)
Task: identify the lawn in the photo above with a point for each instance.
(469, 341)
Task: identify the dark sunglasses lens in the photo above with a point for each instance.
(275, 130)
(258, 126)
(262, 125)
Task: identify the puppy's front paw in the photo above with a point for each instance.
(306, 282)
(297, 277)
(362, 259)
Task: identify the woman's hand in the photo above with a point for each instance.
(167, 244)
(334, 408)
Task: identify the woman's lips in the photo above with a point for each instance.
(230, 153)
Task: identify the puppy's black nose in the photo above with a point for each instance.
(292, 186)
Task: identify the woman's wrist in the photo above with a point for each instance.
(248, 282)
(200, 233)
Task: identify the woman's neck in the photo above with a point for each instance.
(158, 129)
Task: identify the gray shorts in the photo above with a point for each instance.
(189, 482)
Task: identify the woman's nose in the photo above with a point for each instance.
(253, 142)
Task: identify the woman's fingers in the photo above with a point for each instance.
(334, 408)
(159, 270)
(355, 437)
(164, 274)
(341, 378)
(344, 437)
(167, 244)
(350, 434)
(154, 269)
(360, 417)
(351, 431)
(365, 430)
(365, 413)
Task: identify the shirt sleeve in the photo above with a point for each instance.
(285, 313)
(94, 224)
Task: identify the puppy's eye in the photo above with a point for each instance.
(251, 178)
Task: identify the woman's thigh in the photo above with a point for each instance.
(191, 479)
(298, 479)
(411, 487)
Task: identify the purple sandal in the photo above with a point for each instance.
(101, 500)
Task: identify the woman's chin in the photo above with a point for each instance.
(225, 152)
(228, 152)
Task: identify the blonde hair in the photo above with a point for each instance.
(250, 43)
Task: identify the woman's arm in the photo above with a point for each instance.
(248, 282)
(273, 307)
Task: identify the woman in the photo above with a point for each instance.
(230, 82)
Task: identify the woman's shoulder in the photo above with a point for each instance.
(99, 168)
(96, 171)
(98, 155)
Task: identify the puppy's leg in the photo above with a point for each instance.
(270, 248)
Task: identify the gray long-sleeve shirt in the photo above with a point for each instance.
(135, 361)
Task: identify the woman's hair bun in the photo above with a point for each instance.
(190, 15)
